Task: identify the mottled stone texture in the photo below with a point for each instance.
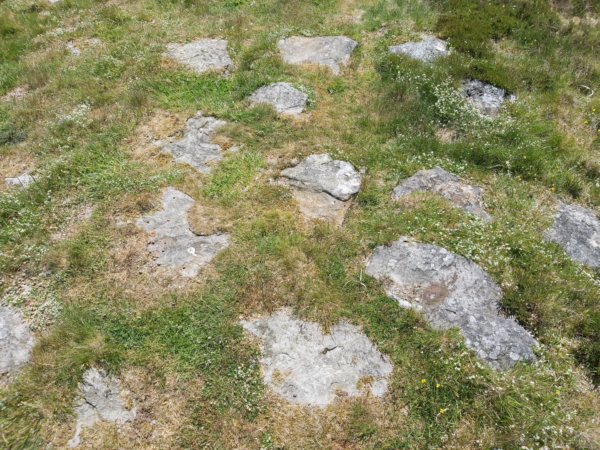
(285, 98)
(427, 50)
(100, 400)
(330, 51)
(306, 366)
(437, 180)
(452, 291)
(22, 180)
(577, 231)
(16, 340)
(172, 240)
(196, 147)
(484, 97)
(202, 55)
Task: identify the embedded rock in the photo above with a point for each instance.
(452, 291)
(305, 366)
(16, 340)
(577, 231)
(196, 148)
(100, 400)
(282, 96)
(73, 48)
(22, 180)
(322, 206)
(329, 50)
(484, 97)
(427, 50)
(172, 239)
(202, 55)
(437, 180)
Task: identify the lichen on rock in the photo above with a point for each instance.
(202, 55)
(427, 50)
(284, 98)
(330, 51)
(16, 341)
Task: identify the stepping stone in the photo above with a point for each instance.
(427, 50)
(452, 291)
(172, 239)
(437, 180)
(285, 98)
(308, 367)
(196, 148)
(329, 50)
(22, 180)
(100, 400)
(16, 341)
(202, 55)
(484, 96)
(577, 231)
(322, 187)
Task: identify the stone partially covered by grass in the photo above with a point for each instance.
(92, 127)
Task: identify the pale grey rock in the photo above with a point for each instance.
(16, 340)
(484, 96)
(306, 366)
(448, 185)
(427, 50)
(73, 48)
(285, 98)
(196, 147)
(172, 239)
(22, 180)
(202, 55)
(577, 231)
(452, 291)
(320, 173)
(100, 400)
(327, 50)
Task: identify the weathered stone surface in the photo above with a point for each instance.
(305, 366)
(485, 97)
(328, 50)
(22, 180)
(16, 340)
(322, 206)
(196, 147)
(452, 291)
(320, 173)
(282, 96)
(427, 50)
(202, 55)
(437, 180)
(577, 231)
(172, 239)
(100, 400)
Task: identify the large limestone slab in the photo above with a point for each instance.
(452, 291)
(323, 187)
(196, 147)
(16, 341)
(306, 366)
(202, 55)
(285, 98)
(173, 241)
(446, 184)
(330, 51)
(100, 400)
(427, 50)
(22, 180)
(484, 96)
(577, 231)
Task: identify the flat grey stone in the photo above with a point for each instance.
(484, 96)
(100, 400)
(452, 291)
(328, 50)
(321, 206)
(22, 180)
(437, 180)
(16, 340)
(73, 48)
(577, 231)
(427, 50)
(196, 148)
(305, 366)
(172, 239)
(202, 55)
(282, 96)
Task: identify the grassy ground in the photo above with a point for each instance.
(97, 299)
